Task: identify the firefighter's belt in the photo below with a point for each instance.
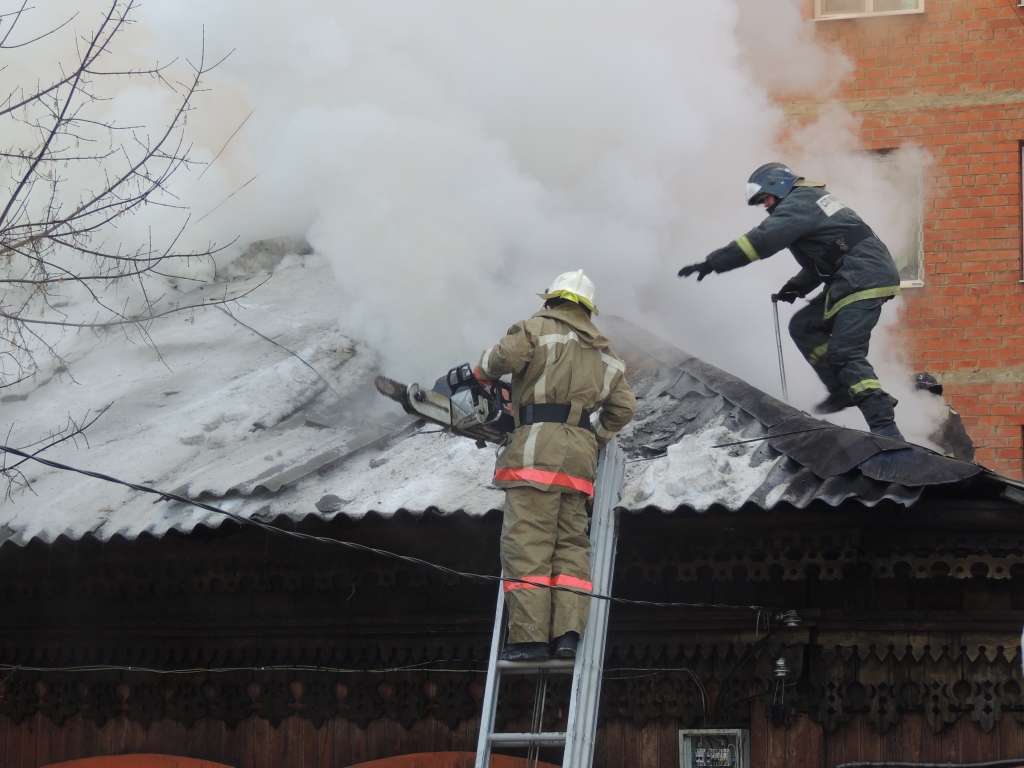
(556, 412)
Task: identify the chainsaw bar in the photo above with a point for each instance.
(424, 403)
(393, 389)
(437, 409)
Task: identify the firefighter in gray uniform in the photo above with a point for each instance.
(836, 248)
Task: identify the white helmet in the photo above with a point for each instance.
(572, 286)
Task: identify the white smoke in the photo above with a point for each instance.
(451, 157)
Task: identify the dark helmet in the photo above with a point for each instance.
(929, 382)
(770, 179)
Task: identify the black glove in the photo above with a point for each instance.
(702, 268)
(789, 293)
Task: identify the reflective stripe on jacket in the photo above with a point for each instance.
(558, 356)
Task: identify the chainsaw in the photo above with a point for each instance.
(459, 402)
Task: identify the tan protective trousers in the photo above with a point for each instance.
(544, 539)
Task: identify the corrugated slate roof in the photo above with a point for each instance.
(328, 455)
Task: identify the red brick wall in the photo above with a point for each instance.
(932, 80)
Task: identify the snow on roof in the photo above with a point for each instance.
(230, 418)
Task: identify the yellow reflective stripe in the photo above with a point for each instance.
(530, 447)
(818, 354)
(864, 386)
(806, 183)
(744, 243)
(557, 338)
(612, 366)
(485, 361)
(871, 293)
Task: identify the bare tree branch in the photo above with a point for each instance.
(69, 175)
(140, 320)
(72, 431)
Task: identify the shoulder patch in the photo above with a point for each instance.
(829, 204)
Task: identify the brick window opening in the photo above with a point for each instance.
(896, 177)
(903, 173)
(850, 9)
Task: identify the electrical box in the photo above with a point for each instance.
(714, 748)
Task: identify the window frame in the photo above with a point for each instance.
(918, 282)
(868, 4)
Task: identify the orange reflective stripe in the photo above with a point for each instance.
(528, 582)
(541, 582)
(561, 580)
(548, 478)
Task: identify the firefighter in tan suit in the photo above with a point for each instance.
(562, 372)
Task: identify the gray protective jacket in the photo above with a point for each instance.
(808, 221)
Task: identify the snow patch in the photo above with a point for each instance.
(427, 469)
(695, 474)
(186, 419)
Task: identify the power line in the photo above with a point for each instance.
(167, 495)
(772, 437)
(422, 666)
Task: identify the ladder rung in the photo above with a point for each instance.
(526, 739)
(528, 667)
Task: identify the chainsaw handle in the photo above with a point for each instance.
(478, 377)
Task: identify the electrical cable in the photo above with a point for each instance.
(1014, 8)
(169, 496)
(772, 437)
(422, 666)
(747, 656)
(221, 670)
(649, 458)
(741, 442)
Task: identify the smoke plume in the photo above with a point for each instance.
(451, 157)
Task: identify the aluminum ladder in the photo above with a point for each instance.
(588, 667)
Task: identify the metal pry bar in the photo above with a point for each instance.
(778, 343)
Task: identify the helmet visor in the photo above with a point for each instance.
(755, 193)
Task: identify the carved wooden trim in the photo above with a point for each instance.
(830, 685)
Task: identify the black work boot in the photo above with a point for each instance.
(835, 402)
(880, 414)
(889, 430)
(525, 652)
(564, 647)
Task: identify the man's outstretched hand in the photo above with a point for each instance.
(702, 268)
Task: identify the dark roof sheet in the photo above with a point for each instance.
(813, 459)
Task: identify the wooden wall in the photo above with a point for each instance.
(913, 740)
(296, 743)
